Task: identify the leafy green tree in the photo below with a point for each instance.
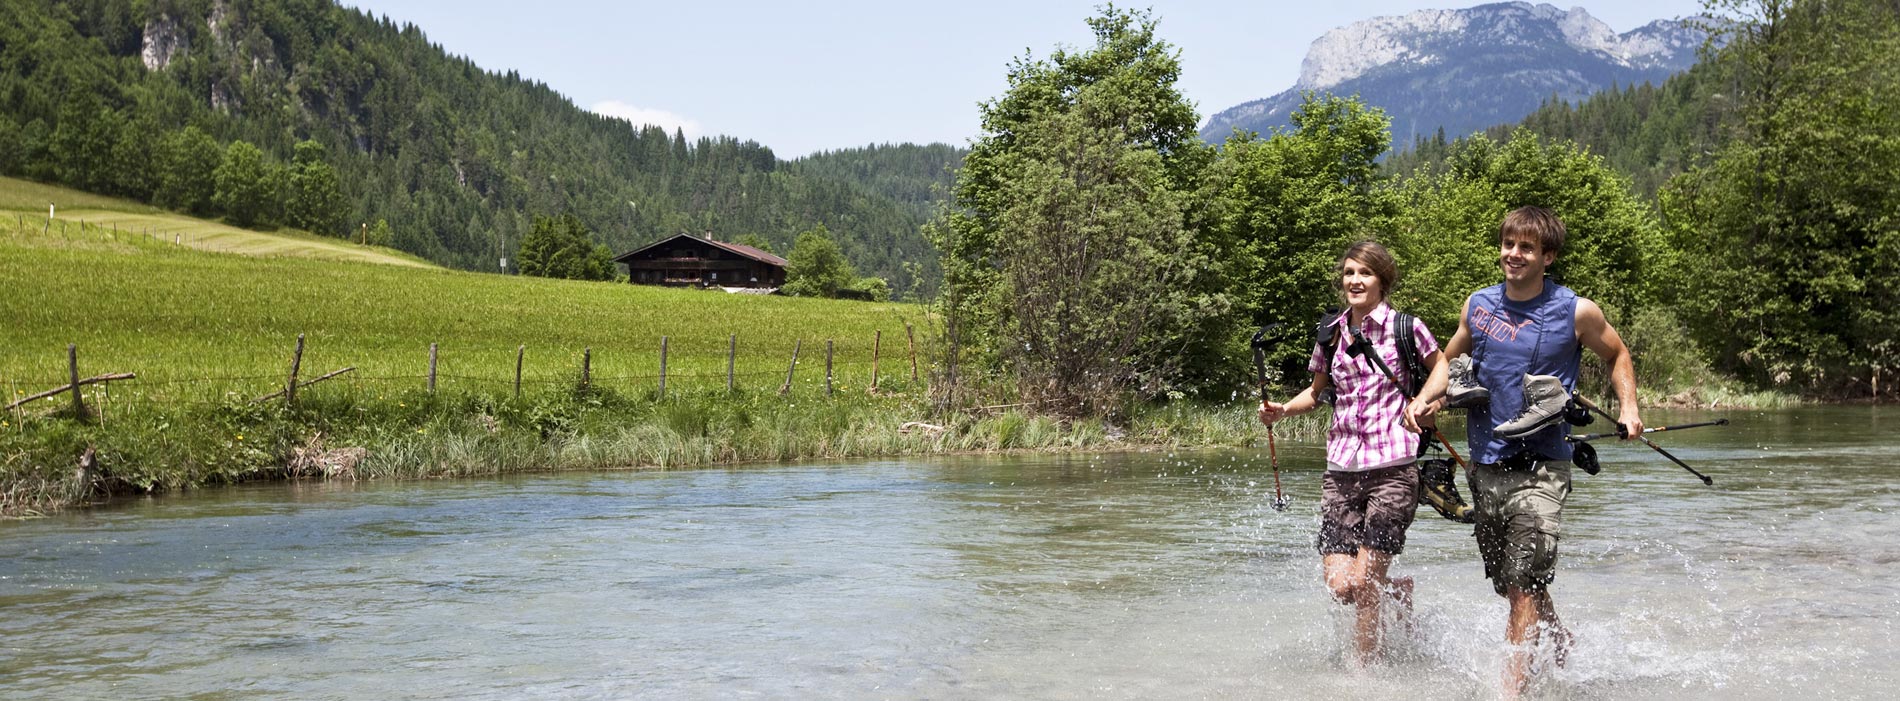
(875, 289)
(247, 186)
(1788, 239)
(132, 158)
(1285, 206)
(563, 247)
(1444, 229)
(815, 267)
(379, 234)
(187, 163)
(315, 199)
(1069, 265)
(82, 143)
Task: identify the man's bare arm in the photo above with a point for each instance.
(1595, 333)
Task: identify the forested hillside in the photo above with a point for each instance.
(919, 176)
(1648, 132)
(100, 94)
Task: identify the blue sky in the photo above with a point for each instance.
(803, 77)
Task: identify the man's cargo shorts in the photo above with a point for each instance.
(1519, 520)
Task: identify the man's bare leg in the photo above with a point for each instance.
(1560, 640)
(1521, 631)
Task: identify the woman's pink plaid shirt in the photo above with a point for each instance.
(1368, 431)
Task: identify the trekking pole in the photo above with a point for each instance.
(1619, 433)
(1587, 404)
(1260, 377)
(1454, 451)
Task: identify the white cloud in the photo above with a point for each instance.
(640, 116)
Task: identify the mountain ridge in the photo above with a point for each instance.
(1468, 69)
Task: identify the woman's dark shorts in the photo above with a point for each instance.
(1368, 509)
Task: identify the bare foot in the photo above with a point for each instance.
(1401, 591)
(1561, 641)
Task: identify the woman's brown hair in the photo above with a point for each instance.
(1377, 258)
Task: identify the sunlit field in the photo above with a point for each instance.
(190, 322)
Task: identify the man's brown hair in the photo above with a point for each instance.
(1535, 222)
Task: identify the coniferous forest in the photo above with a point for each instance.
(150, 99)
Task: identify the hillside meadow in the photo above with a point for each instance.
(208, 331)
(25, 204)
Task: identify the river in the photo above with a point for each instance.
(1140, 575)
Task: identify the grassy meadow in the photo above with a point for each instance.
(207, 331)
(25, 203)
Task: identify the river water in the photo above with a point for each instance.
(1149, 575)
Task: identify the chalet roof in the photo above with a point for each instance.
(736, 248)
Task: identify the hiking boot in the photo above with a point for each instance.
(1438, 490)
(1464, 392)
(1544, 400)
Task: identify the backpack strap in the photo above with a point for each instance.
(1407, 341)
(1324, 336)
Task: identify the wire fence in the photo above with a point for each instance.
(147, 380)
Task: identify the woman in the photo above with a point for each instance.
(1371, 487)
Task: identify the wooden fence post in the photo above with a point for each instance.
(296, 361)
(827, 367)
(732, 351)
(662, 367)
(72, 363)
(913, 352)
(877, 345)
(431, 368)
(787, 387)
(519, 352)
(587, 366)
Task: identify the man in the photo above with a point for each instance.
(1525, 338)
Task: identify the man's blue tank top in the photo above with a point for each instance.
(1509, 339)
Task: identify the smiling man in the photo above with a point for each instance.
(1525, 338)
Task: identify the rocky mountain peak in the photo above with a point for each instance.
(1423, 37)
(1467, 69)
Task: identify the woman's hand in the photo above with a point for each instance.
(1271, 412)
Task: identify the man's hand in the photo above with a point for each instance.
(1630, 423)
(1271, 412)
(1420, 415)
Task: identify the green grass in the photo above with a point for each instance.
(24, 203)
(180, 317)
(207, 331)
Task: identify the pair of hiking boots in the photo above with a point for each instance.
(1544, 398)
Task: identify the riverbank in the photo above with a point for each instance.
(53, 460)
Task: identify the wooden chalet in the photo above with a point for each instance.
(686, 259)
